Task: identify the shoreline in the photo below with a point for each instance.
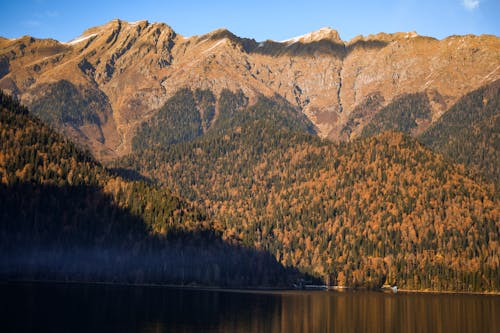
(149, 285)
(244, 289)
(449, 292)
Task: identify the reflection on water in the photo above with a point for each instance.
(89, 308)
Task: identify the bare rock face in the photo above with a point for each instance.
(339, 85)
(394, 65)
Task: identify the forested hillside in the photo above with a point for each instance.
(380, 209)
(64, 216)
(469, 132)
(183, 118)
(403, 114)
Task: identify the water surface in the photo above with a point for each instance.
(51, 307)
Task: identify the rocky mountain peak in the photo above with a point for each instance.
(218, 34)
(325, 33)
(118, 26)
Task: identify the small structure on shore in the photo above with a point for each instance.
(338, 288)
(388, 288)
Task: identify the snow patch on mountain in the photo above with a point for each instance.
(221, 42)
(323, 33)
(80, 39)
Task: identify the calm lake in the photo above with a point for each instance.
(52, 307)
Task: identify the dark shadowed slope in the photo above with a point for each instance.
(64, 217)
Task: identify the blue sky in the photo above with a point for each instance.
(261, 19)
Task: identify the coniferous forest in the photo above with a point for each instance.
(65, 217)
(246, 194)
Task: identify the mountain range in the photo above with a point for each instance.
(358, 163)
(119, 74)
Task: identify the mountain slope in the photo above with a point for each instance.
(469, 132)
(63, 216)
(379, 209)
(138, 66)
(404, 114)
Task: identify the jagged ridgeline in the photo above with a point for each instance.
(378, 209)
(100, 86)
(63, 216)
